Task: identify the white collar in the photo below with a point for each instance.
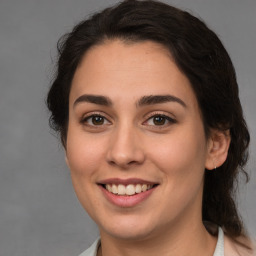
(219, 250)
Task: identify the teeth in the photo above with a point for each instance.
(144, 187)
(138, 188)
(121, 190)
(128, 190)
(114, 189)
(109, 188)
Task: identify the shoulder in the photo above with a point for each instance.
(238, 247)
(92, 250)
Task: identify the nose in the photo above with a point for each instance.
(125, 149)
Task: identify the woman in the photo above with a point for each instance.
(146, 103)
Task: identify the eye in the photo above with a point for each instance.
(160, 120)
(95, 120)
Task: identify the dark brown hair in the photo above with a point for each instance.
(200, 55)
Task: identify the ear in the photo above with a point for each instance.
(218, 145)
(67, 162)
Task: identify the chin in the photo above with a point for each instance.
(129, 234)
(128, 229)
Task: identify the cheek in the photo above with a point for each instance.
(84, 156)
(181, 156)
(84, 153)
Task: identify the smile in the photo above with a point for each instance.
(129, 190)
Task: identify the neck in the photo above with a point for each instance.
(191, 240)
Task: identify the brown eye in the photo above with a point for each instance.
(159, 120)
(97, 120)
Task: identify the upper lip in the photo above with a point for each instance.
(126, 181)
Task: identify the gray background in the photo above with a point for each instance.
(39, 212)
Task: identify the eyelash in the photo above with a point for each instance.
(168, 119)
(85, 119)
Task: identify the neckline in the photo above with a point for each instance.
(219, 249)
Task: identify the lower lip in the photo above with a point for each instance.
(127, 201)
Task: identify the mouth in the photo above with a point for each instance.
(127, 190)
(127, 187)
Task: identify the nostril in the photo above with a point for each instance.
(111, 162)
(132, 162)
(123, 164)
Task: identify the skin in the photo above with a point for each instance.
(129, 143)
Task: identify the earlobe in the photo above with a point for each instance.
(218, 146)
(66, 159)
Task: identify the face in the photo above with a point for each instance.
(136, 146)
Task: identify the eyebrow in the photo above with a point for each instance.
(143, 101)
(95, 99)
(158, 99)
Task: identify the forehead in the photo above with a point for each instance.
(117, 68)
(117, 55)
